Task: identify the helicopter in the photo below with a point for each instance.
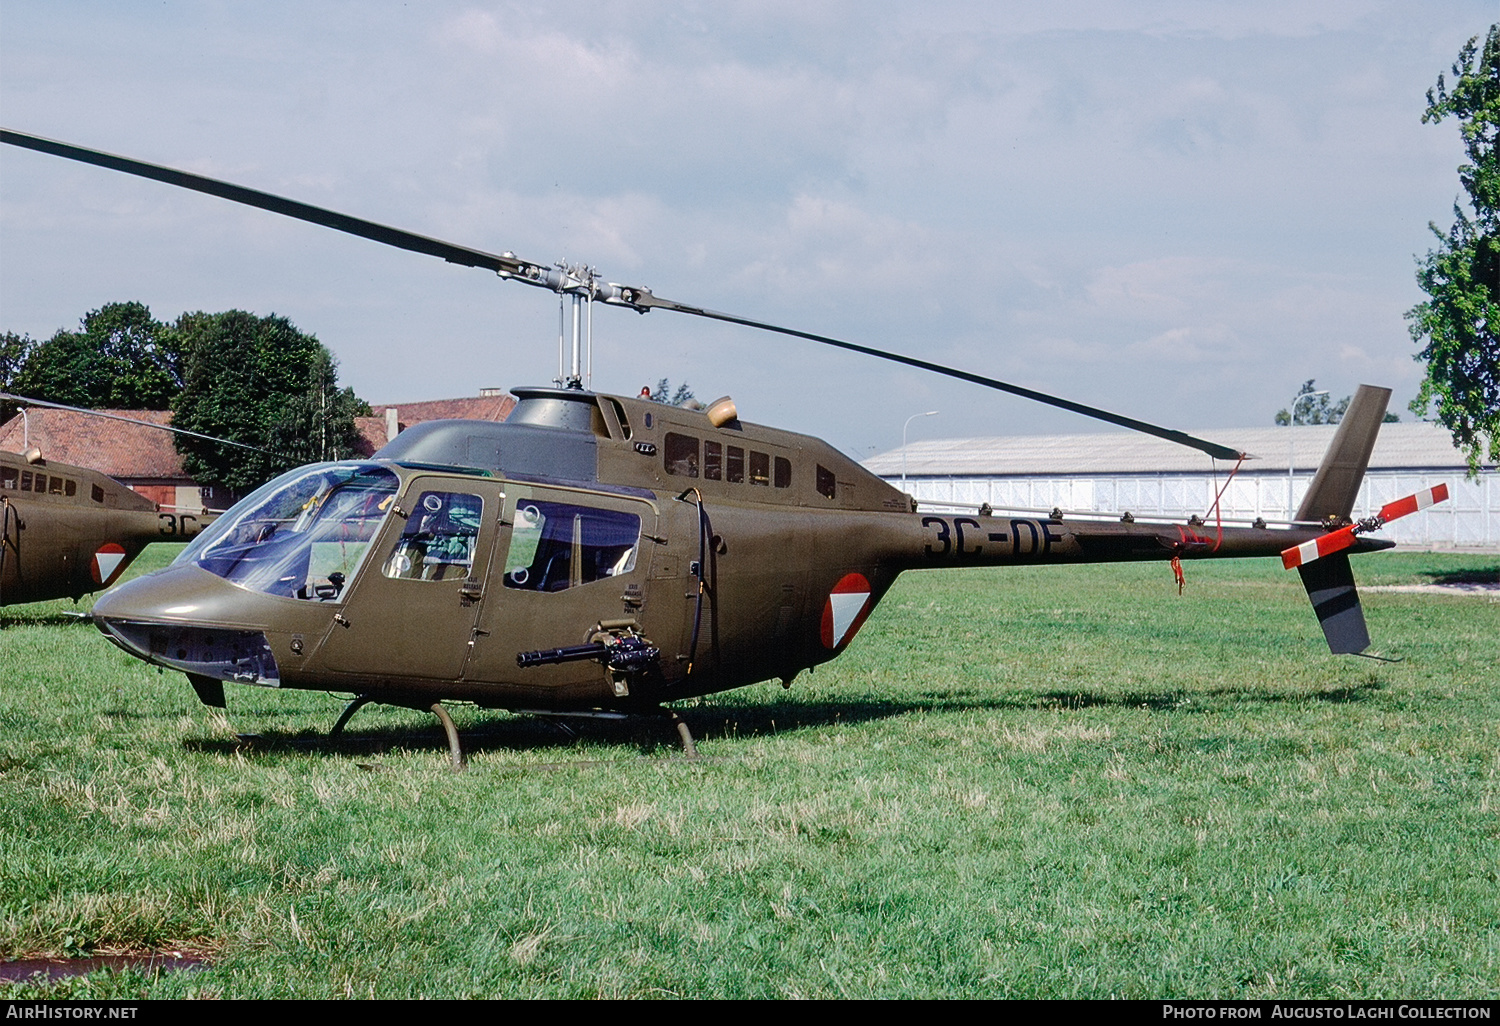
(600, 555)
(67, 531)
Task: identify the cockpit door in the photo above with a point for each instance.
(411, 611)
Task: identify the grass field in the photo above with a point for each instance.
(1031, 782)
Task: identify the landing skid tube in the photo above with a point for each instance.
(455, 749)
(689, 749)
(349, 711)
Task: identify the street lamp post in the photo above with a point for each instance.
(1291, 508)
(914, 416)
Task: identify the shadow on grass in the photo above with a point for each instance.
(1481, 575)
(1356, 693)
(650, 734)
(22, 617)
(1193, 701)
(645, 733)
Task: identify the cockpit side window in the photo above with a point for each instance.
(303, 535)
(437, 543)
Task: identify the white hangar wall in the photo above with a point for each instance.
(1114, 473)
(1470, 517)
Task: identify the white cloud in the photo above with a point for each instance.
(1096, 197)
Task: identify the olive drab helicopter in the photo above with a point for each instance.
(68, 531)
(602, 555)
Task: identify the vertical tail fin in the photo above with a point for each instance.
(1336, 484)
(1330, 584)
(1330, 580)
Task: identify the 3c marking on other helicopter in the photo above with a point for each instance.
(174, 525)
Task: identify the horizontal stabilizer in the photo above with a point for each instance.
(1344, 537)
(1330, 585)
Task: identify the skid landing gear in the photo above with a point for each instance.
(455, 750)
(689, 750)
(349, 710)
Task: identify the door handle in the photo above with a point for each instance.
(471, 591)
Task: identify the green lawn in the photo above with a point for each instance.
(1030, 782)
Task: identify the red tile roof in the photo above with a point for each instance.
(371, 434)
(126, 451)
(475, 407)
(132, 452)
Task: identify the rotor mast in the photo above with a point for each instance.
(580, 284)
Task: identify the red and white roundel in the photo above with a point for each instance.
(106, 562)
(845, 611)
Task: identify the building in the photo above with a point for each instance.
(391, 419)
(1145, 476)
(145, 459)
(140, 457)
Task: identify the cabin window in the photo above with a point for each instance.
(71, 486)
(9, 478)
(760, 468)
(783, 472)
(735, 468)
(25, 480)
(57, 486)
(437, 543)
(681, 455)
(555, 545)
(827, 484)
(713, 461)
(97, 493)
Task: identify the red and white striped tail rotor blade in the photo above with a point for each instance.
(1427, 497)
(1344, 537)
(1327, 545)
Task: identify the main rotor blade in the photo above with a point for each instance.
(276, 204)
(1222, 452)
(557, 279)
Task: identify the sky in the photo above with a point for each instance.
(1177, 211)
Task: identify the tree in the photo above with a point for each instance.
(13, 352)
(1319, 410)
(122, 358)
(664, 389)
(1460, 322)
(258, 381)
(1315, 410)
